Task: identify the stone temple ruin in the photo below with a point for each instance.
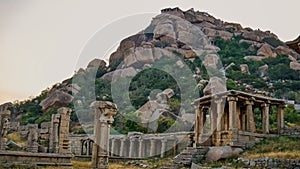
(48, 145)
(228, 118)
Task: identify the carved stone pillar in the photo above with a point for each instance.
(4, 127)
(280, 119)
(220, 111)
(104, 112)
(198, 124)
(163, 148)
(131, 147)
(122, 146)
(152, 147)
(141, 148)
(53, 141)
(265, 118)
(250, 116)
(63, 140)
(232, 112)
(113, 146)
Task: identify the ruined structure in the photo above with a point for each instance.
(163, 144)
(4, 126)
(228, 118)
(59, 132)
(32, 138)
(104, 112)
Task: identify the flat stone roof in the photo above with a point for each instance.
(240, 93)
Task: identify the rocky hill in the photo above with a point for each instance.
(183, 51)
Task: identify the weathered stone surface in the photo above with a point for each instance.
(215, 85)
(211, 60)
(255, 43)
(97, 63)
(295, 65)
(213, 33)
(223, 152)
(104, 112)
(244, 69)
(281, 50)
(120, 73)
(266, 50)
(256, 58)
(263, 70)
(4, 126)
(56, 98)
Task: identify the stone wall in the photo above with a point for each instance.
(270, 163)
(292, 132)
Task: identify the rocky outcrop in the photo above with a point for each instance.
(56, 98)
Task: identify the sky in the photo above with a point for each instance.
(41, 42)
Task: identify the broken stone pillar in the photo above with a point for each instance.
(53, 140)
(104, 112)
(63, 140)
(265, 118)
(59, 132)
(32, 144)
(280, 119)
(250, 116)
(4, 127)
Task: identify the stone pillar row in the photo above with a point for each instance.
(139, 147)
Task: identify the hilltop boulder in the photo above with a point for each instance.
(56, 98)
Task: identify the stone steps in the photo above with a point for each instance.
(189, 155)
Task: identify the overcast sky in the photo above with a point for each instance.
(40, 41)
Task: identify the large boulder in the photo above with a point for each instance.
(215, 85)
(97, 63)
(56, 98)
(120, 73)
(263, 70)
(244, 69)
(217, 153)
(266, 50)
(256, 58)
(295, 65)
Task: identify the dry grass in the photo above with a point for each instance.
(284, 155)
(16, 137)
(282, 147)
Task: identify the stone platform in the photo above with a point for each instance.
(34, 159)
